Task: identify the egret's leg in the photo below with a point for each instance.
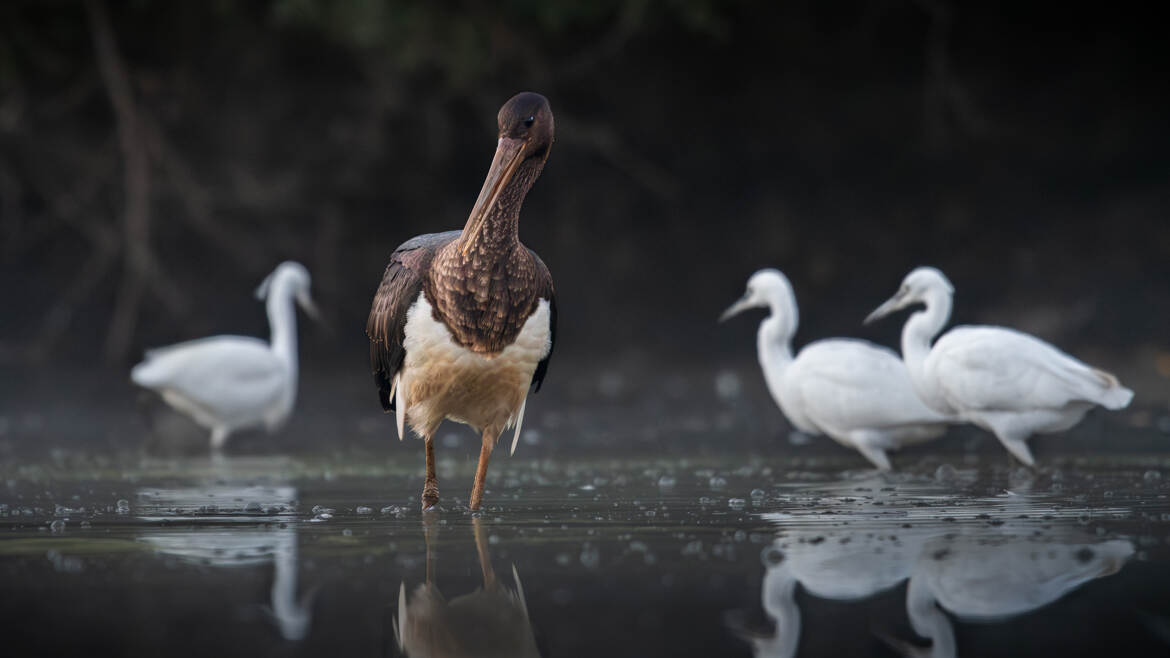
(485, 455)
(1019, 448)
(219, 437)
(876, 456)
(869, 443)
(430, 495)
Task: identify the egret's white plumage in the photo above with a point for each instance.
(228, 383)
(853, 391)
(1008, 382)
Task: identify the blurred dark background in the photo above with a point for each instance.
(157, 159)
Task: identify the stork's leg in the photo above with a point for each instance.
(430, 495)
(485, 557)
(485, 454)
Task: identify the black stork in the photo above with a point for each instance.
(463, 323)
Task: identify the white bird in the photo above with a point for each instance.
(853, 391)
(1005, 381)
(228, 383)
(989, 575)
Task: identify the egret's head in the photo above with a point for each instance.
(525, 134)
(765, 289)
(918, 287)
(293, 279)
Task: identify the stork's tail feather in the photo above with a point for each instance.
(1115, 396)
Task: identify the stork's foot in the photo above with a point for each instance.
(430, 496)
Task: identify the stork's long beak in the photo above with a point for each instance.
(892, 304)
(509, 155)
(735, 309)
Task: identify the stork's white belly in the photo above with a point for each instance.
(441, 379)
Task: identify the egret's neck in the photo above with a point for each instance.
(779, 599)
(922, 327)
(928, 620)
(283, 322)
(774, 343)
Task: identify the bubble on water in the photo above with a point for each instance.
(798, 438)
(564, 559)
(347, 532)
(362, 509)
(728, 385)
(771, 556)
(666, 482)
(1152, 476)
(123, 506)
(57, 526)
(736, 503)
(705, 500)
(717, 482)
(590, 556)
(758, 494)
(253, 508)
(945, 473)
(324, 516)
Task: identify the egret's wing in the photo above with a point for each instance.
(851, 384)
(401, 284)
(996, 368)
(545, 285)
(226, 374)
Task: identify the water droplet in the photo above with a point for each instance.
(362, 509)
(758, 494)
(736, 503)
(666, 482)
(945, 473)
(717, 482)
(1152, 476)
(57, 526)
(123, 506)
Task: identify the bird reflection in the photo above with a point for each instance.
(973, 569)
(228, 547)
(491, 621)
(992, 575)
(839, 564)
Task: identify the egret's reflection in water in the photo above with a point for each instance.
(976, 566)
(219, 511)
(490, 621)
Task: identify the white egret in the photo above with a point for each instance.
(228, 383)
(853, 391)
(1005, 381)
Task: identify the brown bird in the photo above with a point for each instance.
(463, 323)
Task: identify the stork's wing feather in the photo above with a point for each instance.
(851, 384)
(226, 374)
(997, 368)
(545, 291)
(401, 284)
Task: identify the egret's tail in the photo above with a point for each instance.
(1115, 396)
(146, 374)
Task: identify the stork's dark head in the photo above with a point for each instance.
(525, 138)
(526, 118)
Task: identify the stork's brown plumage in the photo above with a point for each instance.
(463, 323)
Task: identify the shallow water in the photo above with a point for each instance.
(285, 556)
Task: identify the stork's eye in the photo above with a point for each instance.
(529, 121)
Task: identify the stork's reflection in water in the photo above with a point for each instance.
(490, 621)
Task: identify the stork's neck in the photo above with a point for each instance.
(774, 342)
(282, 319)
(501, 231)
(921, 329)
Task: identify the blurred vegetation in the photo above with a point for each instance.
(146, 187)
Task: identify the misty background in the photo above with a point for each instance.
(158, 159)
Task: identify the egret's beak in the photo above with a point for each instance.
(892, 304)
(735, 309)
(509, 155)
(310, 308)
